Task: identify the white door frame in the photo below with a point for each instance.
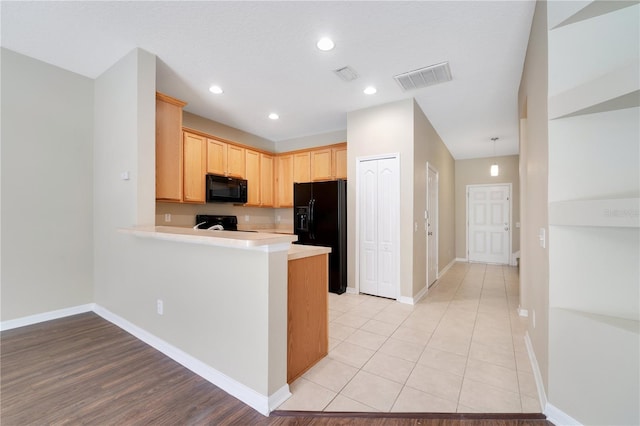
(436, 230)
(510, 214)
(359, 160)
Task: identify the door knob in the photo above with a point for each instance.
(429, 233)
(506, 228)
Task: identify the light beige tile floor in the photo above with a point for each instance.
(460, 349)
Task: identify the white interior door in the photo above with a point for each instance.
(489, 223)
(378, 205)
(432, 226)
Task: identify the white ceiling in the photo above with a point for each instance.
(263, 55)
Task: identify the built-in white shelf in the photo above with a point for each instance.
(630, 325)
(617, 89)
(617, 212)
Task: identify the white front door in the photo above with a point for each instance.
(432, 226)
(378, 206)
(489, 223)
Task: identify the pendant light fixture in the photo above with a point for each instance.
(495, 171)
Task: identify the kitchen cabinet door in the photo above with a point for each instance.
(236, 166)
(302, 167)
(168, 148)
(216, 157)
(340, 163)
(321, 165)
(266, 180)
(194, 168)
(252, 170)
(284, 181)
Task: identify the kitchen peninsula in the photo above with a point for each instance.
(235, 306)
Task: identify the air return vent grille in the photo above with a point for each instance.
(346, 73)
(424, 77)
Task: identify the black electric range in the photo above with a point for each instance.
(216, 222)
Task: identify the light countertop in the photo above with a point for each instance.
(298, 251)
(268, 230)
(232, 239)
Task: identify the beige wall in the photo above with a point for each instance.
(226, 132)
(47, 238)
(379, 130)
(534, 261)
(305, 142)
(429, 148)
(229, 317)
(401, 127)
(476, 172)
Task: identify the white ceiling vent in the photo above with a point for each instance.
(424, 77)
(346, 73)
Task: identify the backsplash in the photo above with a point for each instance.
(249, 217)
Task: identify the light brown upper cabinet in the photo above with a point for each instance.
(284, 181)
(321, 165)
(225, 159)
(329, 163)
(168, 148)
(339, 162)
(236, 161)
(252, 169)
(266, 180)
(302, 167)
(194, 151)
(216, 157)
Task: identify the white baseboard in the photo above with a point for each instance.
(261, 403)
(542, 396)
(559, 417)
(461, 259)
(554, 414)
(446, 268)
(45, 316)
(352, 290)
(523, 312)
(278, 397)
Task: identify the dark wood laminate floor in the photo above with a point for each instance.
(85, 370)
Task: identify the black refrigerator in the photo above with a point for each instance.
(320, 219)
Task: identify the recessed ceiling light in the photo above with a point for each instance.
(215, 89)
(325, 44)
(370, 90)
(274, 116)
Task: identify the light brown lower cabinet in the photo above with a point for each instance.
(307, 314)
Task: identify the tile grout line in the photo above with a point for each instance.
(450, 297)
(466, 364)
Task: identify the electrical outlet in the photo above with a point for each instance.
(160, 307)
(167, 217)
(278, 219)
(246, 218)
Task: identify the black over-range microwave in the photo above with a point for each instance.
(226, 189)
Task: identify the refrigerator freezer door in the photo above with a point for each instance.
(302, 221)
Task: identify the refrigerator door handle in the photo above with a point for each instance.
(312, 204)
